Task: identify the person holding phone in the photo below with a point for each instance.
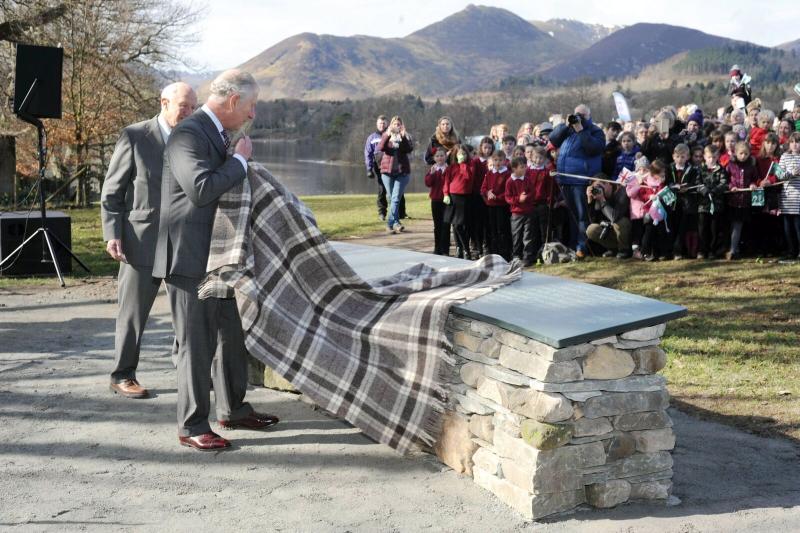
(661, 141)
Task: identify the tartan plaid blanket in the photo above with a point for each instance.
(374, 353)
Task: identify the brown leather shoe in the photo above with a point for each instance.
(129, 388)
(206, 442)
(252, 421)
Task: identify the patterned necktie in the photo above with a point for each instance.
(225, 139)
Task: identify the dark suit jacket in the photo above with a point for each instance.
(196, 172)
(131, 196)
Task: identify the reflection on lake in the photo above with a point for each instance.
(304, 169)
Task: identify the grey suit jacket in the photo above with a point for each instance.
(196, 172)
(131, 196)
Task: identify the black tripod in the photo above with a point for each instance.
(48, 252)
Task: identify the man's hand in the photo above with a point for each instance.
(114, 249)
(244, 147)
(578, 127)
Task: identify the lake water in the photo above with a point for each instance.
(305, 169)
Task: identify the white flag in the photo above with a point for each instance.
(622, 107)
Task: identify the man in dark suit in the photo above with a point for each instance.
(130, 204)
(197, 171)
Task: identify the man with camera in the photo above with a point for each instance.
(609, 211)
(581, 146)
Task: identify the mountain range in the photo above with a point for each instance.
(472, 50)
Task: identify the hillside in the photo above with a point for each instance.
(311, 66)
(481, 48)
(573, 34)
(627, 51)
(790, 46)
(448, 57)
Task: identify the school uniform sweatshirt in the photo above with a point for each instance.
(543, 184)
(434, 180)
(458, 179)
(480, 167)
(515, 186)
(495, 181)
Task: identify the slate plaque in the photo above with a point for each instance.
(556, 311)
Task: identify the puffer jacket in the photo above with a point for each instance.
(395, 157)
(640, 193)
(578, 153)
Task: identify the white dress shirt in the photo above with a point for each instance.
(164, 127)
(218, 124)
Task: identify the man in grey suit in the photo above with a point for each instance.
(197, 171)
(130, 204)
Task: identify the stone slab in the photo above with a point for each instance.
(558, 312)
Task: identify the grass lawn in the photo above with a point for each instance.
(339, 217)
(735, 358)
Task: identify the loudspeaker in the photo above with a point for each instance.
(42, 65)
(29, 261)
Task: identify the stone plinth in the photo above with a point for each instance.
(556, 401)
(546, 429)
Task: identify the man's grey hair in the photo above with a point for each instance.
(584, 110)
(233, 82)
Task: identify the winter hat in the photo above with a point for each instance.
(545, 127)
(735, 70)
(641, 162)
(697, 116)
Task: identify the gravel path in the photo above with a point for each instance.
(76, 457)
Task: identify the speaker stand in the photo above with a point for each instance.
(48, 251)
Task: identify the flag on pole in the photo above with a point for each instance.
(667, 196)
(623, 112)
(625, 175)
(776, 170)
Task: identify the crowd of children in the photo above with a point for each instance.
(697, 188)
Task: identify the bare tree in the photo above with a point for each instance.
(113, 52)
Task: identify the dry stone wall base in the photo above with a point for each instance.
(546, 429)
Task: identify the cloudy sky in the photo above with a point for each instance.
(233, 31)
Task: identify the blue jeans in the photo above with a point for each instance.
(395, 186)
(575, 196)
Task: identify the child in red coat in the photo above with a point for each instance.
(539, 172)
(520, 197)
(457, 189)
(477, 215)
(759, 132)
(493, 192)
(434, 180)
